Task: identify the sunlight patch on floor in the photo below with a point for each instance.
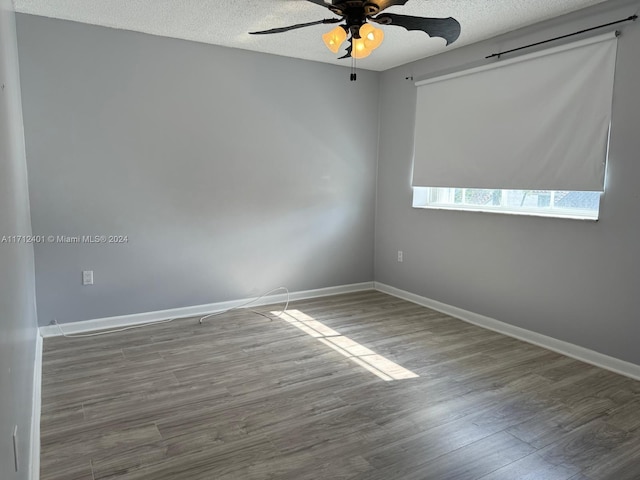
(357, 353)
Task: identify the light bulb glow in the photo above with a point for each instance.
(372, 36)
(334, 39)
(360, 49)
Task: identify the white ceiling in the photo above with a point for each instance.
(226, 22)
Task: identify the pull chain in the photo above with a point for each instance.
(353, 76)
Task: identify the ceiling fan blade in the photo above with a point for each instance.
(447, 28)
(293, 27)
(322, 3)
(349, 49)
(389, 3)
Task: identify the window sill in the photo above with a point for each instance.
(526, 213)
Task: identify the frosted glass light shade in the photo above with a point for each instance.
(334, 39)
(360, 49)
(371, 35)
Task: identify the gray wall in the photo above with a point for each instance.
(231, 172)
(572, 280)
(18, 326)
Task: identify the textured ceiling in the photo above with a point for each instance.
(226, 22)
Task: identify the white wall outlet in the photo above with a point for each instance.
(400, 256)
(87, 277)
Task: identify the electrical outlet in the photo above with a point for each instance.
(87, 277)
(400, 259)
(15, 447)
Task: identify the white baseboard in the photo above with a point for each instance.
(565, 348)
(185, 312)
(34, 463)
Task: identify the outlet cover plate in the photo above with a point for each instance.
(87, 277)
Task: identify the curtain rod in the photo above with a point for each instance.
(632, 18)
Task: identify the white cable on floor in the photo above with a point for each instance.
(202, 319)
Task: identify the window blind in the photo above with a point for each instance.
(538, 121)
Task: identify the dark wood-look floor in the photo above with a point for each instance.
(245, 397)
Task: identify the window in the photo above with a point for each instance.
(525, 135)
(548, 203)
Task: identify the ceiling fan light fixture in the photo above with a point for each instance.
(371, 35)
(354, 17)
(360, 49)
(334, 39)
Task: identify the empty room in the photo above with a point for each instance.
(319, 239)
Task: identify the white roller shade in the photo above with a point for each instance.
(539, 121)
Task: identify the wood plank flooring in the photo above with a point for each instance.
(302, 396)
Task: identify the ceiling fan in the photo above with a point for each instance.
(364, 37)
